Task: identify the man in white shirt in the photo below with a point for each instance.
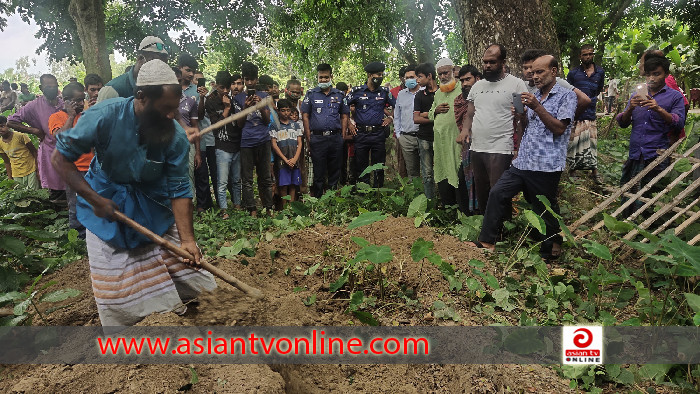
(489, 124)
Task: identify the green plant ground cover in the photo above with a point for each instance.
(595, 281)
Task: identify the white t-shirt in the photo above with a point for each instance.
(612, 87)
(492, 129)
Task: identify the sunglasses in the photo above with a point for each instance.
(158, 46)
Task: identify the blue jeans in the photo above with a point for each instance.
(425, 151)
(228, 169)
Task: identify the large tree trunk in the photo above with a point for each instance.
(89, 17)
(515, 24)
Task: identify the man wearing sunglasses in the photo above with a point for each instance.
(124, 85)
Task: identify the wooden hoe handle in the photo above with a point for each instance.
(249, 291)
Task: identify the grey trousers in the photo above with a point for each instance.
(411, 156)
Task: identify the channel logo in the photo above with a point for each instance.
(582, 345)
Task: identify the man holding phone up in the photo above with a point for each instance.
(653, 114)
(541, 159)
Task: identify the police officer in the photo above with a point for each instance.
(325, 117)
(373, 117)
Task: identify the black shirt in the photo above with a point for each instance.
(227, 138)
(423, 102)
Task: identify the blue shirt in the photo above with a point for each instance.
(255, 131)
(124, 84)
(403, 113)
(369, 105)
(540, 149)
(324, 109)
(141, 180)
(649, 129)
(592, 86)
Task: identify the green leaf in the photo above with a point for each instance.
(310, 300)
(373, 167)
(356, 300)
(476, 263)
(688, 256)
(693, 301)
(12, 245)
(535, 221)
(598, 250)
(365, 219)
(492, 281)
(233, 250)
(523, 341)
(361, 242)
(418, 206)
(72, 235)
(41, 235)
(616, 226)
(420, 249)
(374, 254)
(194, 378)
(366, 318)
(11, 296)
(501, 296)
(683, 165)
(339, 283)
(299, 208)
(10, 227)
(674, 56)
(312, 269)
(21, 308)
(60, 295)
(625, 377)
(655, 372)
(649, 248)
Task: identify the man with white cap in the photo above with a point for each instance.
(447, 153)
(125, 84)
(141, 169)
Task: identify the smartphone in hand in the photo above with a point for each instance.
(201, 82)
(250, 92)
(642, 91)
(518, 103)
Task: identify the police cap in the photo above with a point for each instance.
(375, 67)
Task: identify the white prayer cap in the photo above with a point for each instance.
(156, 72)
(444, 62)
(153, 44)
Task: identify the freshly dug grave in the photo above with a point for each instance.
(286, 286)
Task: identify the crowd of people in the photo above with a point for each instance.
(481, 135)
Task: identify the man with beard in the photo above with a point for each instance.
(36, 114)
(541, 159)
(74, 103)
(140, 168)
(373, 118)
(124, 85)
(489, 124)
(468, 76)
(583, 147)
(445, 132)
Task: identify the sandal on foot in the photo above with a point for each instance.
(479, 245)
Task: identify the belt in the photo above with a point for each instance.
(370, 129)
(414, 134)
(325, 132)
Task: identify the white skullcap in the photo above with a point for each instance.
(152, 44)
(156, 72)
(445, 61)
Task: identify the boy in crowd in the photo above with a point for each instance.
(286, 144)
(73, 106)
(19, 155)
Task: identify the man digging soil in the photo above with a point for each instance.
(141, 169)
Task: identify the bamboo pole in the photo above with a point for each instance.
(249, 291)
(266, 102)
(645, 188)
(676, 216)
(665, 209)
(687, 223)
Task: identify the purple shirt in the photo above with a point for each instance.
(649, 130)
(188, 109)
(36, 113)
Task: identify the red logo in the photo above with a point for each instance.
(584, 338)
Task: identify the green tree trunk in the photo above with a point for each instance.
(514, 24)
(89, 18)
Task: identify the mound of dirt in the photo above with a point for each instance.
(281, 270)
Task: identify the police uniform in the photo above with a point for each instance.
(325, 113)
(369, 115)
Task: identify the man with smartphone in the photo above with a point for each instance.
(654, 111)
(542, 157)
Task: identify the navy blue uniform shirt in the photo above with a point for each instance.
(324, 110)
(369, 105)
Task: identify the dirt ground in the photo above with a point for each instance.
(285, 285)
